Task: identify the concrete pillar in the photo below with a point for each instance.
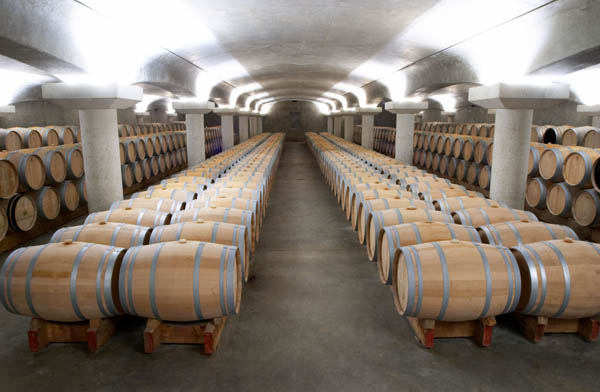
(252, 125)
(140, 117)
(244, 127)
(194, 124)
(592, 111)
(514, 116)
(226, 125)
(368, 125)
(259, 124)
(329, 124)
(99, 129)
(405, 127)
(337, 126)
(349, 127)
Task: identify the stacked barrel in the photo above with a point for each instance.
(213, 141)
(179, 251)
(451, 254)
(384, 140)
(562, 167)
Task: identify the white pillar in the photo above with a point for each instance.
(368, 126)
(194, 124)
(405, 127)
(244, 128)
(259, 124)
(349, 127)
(99, 130)
(329, 124)
(227, 125)
(337, 126)
(252, 125)
(514, 116)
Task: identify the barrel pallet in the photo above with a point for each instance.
(426, 331)
(206, 333)
(535, 327)
(95, 332)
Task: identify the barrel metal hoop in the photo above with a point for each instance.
(231, 280)
(446, 281)
(516, 232)
(488, 280)
(113, 237)
(386, 204)
(139, 219)
(56, 237)
(153, 267)
(8, 267)
(130, 280)
(485, 216)
(543, 280)
(99, 283)
(417, 233)
(549, 228)
(196, 281)
(410, 277)
(29, 277)
(222, 282)
(566, 275)
(215, 229)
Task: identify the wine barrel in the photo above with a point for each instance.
(188, 179)
(122, 235)
(452, 164)
(592, 138)
(446, 193)
(47, 201)
(229, 202)
(575, 136)
(127, 176)
(162, 165)
(481, 151)
(65, 282)
(475, 281)
(154, 165)
(136, 170)
(579, 167)
(128, 146)
(30, 137)
(181, 281)
(461, 170)
(419, 187)
(55, 165)
(392, 238)
(10, 140)
(9, 179)
(553, 135)
(185, 186)
(82, 189)
(370, 194)
(512, 234)
(463, 202)
(174, 194)
(383, 218)
(481, 216)
(3, 224)
(537, 134)
(208, 231)
(559, 199)
(366, 207)
(146, 169)
(559, 279)
(49, 136)
(485, 177)
(163, 205)
(552, 162)
(21, 212)
(221, 214)
(473, 171)
(30, 169)
(586, 208)
(74, 157)
(536, 191)
(69, 196)
(535, 152)
(134, 216)
(65, 134)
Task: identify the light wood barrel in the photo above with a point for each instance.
(371, 194)
(511, 234)
(473, 173)
(134, 216)
(123, 235)
(65, 282)
(82, 190)
(55, 165)
(575, 136)
(383, 218)
(481, 216)
(535, 152)
(461, 170)
(579, 167)
(484, 179)
(127, 176)
(552, 162)
(366, 207)
(208, 231)
(181, 281)
(554, 134)
(592, 138)
(69, 196)
(21, 212)
(221, 214)
(447, 192)
(560, 279)
(586, 208)
(66, 135)
(537, 134)
(74, 157)
(536, 191)
(174, 194)
(136, 170)
(185, 186)
(463, 202)
(168, 206)
(30, 170)
(31, 138)
(455, 281)
(452, 164)
(10, 140)
(49, 136)
(129, 148)
(229, 202)
(392, 238)
(47, 201)
(481, 151)
(559, 199)
(146, 168)
(9, 179)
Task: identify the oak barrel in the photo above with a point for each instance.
(21, 212)
(536, 191)
(69, 195)
(9, 179)
(463, 202)
(134, 216)
(150, 203)
(480, 216)
(10, 140)
(123, 235)
(559, 199)
(30, 169)
(511, 234)
(47, 201)
(586, 208)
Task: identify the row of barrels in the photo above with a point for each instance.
(567, 135)
(177, 252)
(384, 140)
(562, 179)
(150, 128)
(17, 138)
(213, 141)
(490, 256)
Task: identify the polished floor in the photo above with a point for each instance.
(315, 318)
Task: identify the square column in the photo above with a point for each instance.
(259, 123)
(227, 125)
(405, 127)
(99, 130)
(330, 124)
(244, 127)
(514, 106)
(337, 125)
(349, 125)
(194, 124)
(252, 125)
(592, 111)
(368, 125)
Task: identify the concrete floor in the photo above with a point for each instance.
(314, 318)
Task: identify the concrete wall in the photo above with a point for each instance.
(281, 119)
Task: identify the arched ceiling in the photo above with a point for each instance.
(365, 51)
